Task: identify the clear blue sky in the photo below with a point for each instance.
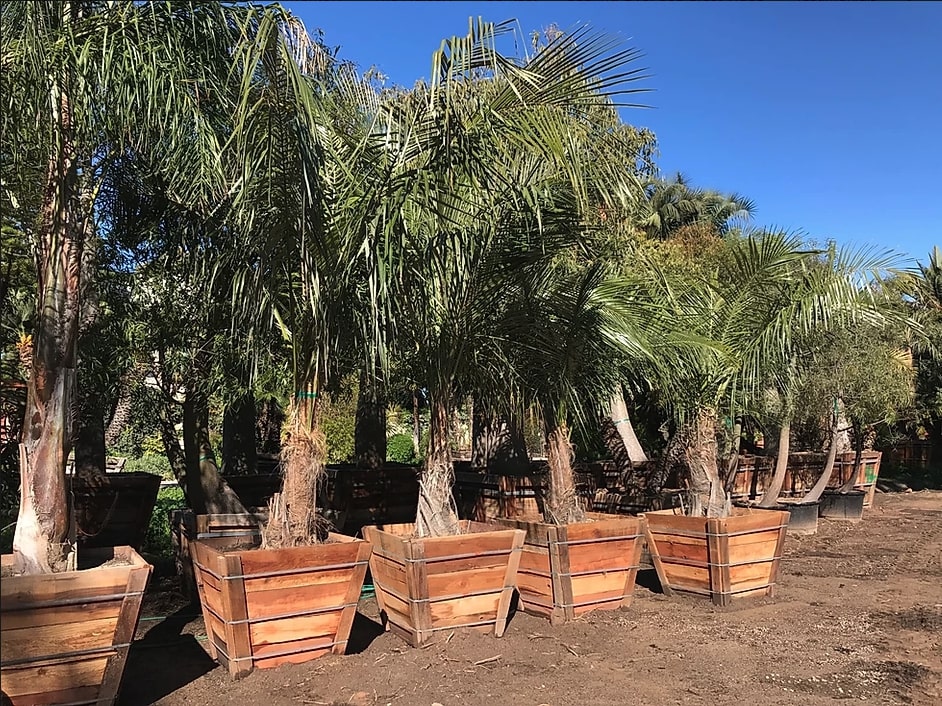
(827, 115)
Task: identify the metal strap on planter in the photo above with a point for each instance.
(597, 540)
(269, 618)
(465, 594)
(73, 601)
(614, 599)
(705, 564)
(450, 557)
(281, 653)
(283, 572)
(607, 570)
(697, 534)
(63, 655)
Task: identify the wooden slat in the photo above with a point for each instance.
(65, 677)
(469, 609)
(272, 632)
(60, 615)
(503, 605)
(30, 642)
(124, 634)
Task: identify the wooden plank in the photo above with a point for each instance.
(463, 582)
(354, 587)
(238, 638)
(285, 601)
(60, 676)
(468, 609)
(273, 632)
(33, 642)
(75, 695)
(124, 634)
(717, 552)
(417, 580)
(60, 615)
(510, 580)
(610, 584)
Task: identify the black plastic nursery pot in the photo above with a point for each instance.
(802, 517)
(835, 505)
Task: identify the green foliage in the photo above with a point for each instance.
(338, 422)
(399, 449)
(150, 462)
(158, 541)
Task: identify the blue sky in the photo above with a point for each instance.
(827, 115)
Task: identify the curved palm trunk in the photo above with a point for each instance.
(437, 515)
(771, 495)
(733, 466)
(858, 455)
(40, 542)
(814, 495)
(700, 449)
(618, 411)
(205, 489)
(369, 434)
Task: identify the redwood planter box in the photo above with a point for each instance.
(115, 509)
(428, 584)
(566, 571)
(866, 473)
(267, 607)
(724, 558)
(65, 637)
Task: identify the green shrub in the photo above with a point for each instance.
(399, 449)
(158, 541)
(150, 463)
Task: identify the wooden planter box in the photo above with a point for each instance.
(724, 558)
(428, 584)
(186, 527)
(569, 570)
(867, 473)
(65, 637)
(266, 607)
(114, 510)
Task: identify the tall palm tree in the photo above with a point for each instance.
(84, 83)
(674, 204)
(489, 145)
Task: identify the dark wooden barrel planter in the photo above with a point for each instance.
(724, 558)
(354, 497)
(867, 473)
(566, 571)
(267, 607)
(425, 585)
(65, 637)
(802, 516)
(187, 527)
(835, 505)
(255, 490)
(114, 509)
(483, 497)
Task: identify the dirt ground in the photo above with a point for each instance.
(858, 616)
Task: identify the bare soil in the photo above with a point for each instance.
(857, 617)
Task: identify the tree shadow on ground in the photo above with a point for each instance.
(647, 578)
(164, 660)
(362, 634)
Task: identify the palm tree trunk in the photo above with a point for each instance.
(437, 515)
(858, 454)
(122, 411)
(369, 435)
(618, 411)
(293, 517)
(770, 497)
(90, 444)
(562, 503)
(814, 495)
(40, 542)
(268, 427)
(238, 436)
(700, 448)
(205, 489)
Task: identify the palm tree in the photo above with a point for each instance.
(490, 146)
(675, 204)
(83, 84)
